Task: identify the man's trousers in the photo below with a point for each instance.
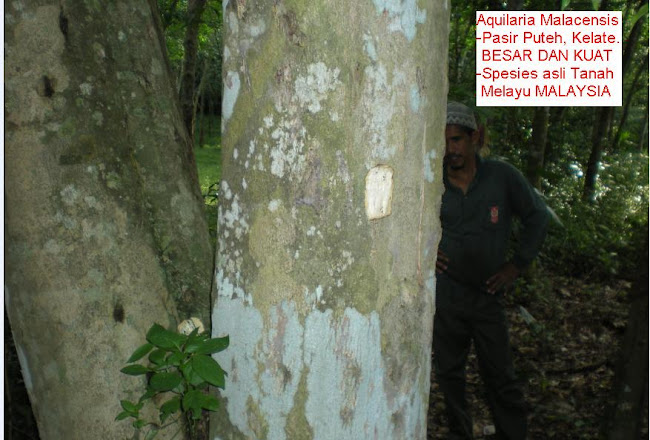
(464, 314)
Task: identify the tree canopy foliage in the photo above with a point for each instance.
(174, 18)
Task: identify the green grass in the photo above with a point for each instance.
(208, 162)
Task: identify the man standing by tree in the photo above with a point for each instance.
(481, 197)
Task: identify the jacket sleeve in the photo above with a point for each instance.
(528, 205)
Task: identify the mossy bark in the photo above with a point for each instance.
(105, 230)
(329, 304)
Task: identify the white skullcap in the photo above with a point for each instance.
(460, 114)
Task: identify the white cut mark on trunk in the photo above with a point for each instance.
(379, 192)
(405, 15)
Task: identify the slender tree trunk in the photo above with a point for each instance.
(190, 45)
(628, 102)
(602, 121)
(333, 117)
(538, 146)
(604, 115)
(105, 232)
(200, 99)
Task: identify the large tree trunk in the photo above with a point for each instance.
(104, 224)
(333, 117)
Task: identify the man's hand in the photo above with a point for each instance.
(441, 262)
(503, 278)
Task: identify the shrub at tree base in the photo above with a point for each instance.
(179, 365)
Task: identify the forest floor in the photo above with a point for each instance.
(565, 359)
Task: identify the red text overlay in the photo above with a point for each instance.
(549, 58)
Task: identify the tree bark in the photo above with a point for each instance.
(602, 122)
(628, 102)
(105, 231)
(538, 146)
(325, 286)
(188, 78)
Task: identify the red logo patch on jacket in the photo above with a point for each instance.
(494, 214)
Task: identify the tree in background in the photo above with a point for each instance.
(188, 96)
(192, 30)
(105, 231)
(333, 116)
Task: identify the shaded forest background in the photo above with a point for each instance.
(570, 313)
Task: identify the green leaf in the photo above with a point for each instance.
(195, 401)
(151, 434)
(194, 341)
(139, 424)
(130, 406)
(170, 407)
(210, 403)
(643, 11)
(165, 381)
(140, 352)
(158, 356)
(595, 4)
(565, 4)
(214, 345)
(147, 395)
(124, 415)
(190, 375)
(135, 370)
(175, 358)
(192, 401)
(209, 370)
(162, 338)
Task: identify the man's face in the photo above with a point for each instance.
(459, 144)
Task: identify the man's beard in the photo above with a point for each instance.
(455, 161)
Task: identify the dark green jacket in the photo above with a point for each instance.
(476, 226)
